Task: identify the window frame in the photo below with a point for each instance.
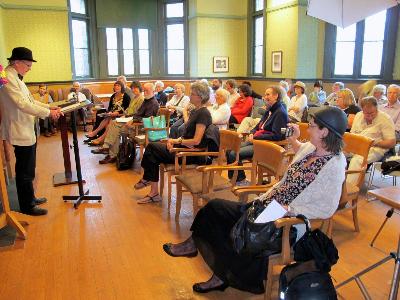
(388, 51)
(252, 16)
(163, 45)
(120, 51)
(91, 39)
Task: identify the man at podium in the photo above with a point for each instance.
(18, 127)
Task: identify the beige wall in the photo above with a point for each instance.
(41, 26)
(3, 54)
(217, 28)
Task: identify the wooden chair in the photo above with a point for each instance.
(304, 135)
(143, 140)
(355, 144)
(278, 261)
(197, 183)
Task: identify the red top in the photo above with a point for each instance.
(242, 108)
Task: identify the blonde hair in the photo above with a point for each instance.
(348, 97)
(224, 93)
(180, 85)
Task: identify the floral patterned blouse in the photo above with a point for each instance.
(297, 179)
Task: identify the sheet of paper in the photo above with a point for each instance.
(272, 212)
(124, 120)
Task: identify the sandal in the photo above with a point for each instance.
(141, 184)
(150, 199)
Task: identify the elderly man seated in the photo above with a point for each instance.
(379, 92)
(374, 124)
(332, 97)
(392, 107)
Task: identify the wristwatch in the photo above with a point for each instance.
(180, 140)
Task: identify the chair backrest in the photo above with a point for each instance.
(229, 141)
(267, 158)
(304, 135)
(360, 145)
(357, 144)
(162, 111)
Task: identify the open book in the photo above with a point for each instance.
(272, 212)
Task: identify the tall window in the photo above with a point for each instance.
(175, 38)
(359, 47)
(128, 51)
(257, 43)
(80, 40)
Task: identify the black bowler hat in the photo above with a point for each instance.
(332, 118)
(21, 53)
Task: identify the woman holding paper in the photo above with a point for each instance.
(311, 186)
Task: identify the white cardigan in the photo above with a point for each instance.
(320, 199)
(18, 111)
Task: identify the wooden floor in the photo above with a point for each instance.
(113, 250)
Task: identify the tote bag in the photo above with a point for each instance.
(155, 122)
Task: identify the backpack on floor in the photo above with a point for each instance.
(126, 152)
(303, 281)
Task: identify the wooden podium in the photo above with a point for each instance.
(68, 176)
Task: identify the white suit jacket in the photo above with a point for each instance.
(18, 111)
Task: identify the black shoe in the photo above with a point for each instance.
(167, 249)
(39, 201)
(198, 289)
(35, 211)
(100, 151)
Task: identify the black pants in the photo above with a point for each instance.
(156, 153)
(25, 165)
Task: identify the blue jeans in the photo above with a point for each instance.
(246, 151)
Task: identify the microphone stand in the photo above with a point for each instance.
(82, 195)
(395, 280)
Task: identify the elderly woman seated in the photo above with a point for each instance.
(346, 102)
(242, 106)
(298, 103)
(268, 128)
(220, 111)
(311, 186)
(194, 136)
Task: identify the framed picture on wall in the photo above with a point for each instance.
(220, 64)
(276, 62)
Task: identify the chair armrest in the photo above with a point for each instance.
(251, 189)
(189, 153)
(186, 150)
(222, 168)
(355, 171)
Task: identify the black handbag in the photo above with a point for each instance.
(315, 245)
(258, 239)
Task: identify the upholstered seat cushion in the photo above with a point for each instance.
(193, 183)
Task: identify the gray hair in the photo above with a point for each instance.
(205, 81)
(150, 84)
(368, 101)
(379, 88)
(122, 78)
(231, 82)
(284, 85)
(224, 93)
(202, 90)
(159, 83)
(393, 86)
(339, 84)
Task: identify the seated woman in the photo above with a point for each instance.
(119, 102)
(178, 102)
(298, 103)
(318, 96)
(220, 111)
(268, 128)
(346, 102)
(194, 136)
(311, 186)
(242, 106)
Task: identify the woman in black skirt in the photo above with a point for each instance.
(311, 186)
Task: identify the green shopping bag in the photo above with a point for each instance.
(155, 122)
